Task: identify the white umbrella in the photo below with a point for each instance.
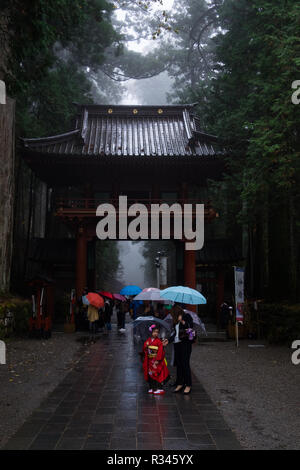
(152, 294)
(198, 324)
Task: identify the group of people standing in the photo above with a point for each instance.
(145, 308)
(154, 362)
(156, 372)
(100, 319)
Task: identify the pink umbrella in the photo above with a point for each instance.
(119, 297)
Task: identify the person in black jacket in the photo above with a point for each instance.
(107, 315)
(183, 348)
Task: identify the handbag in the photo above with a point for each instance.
(188, 334)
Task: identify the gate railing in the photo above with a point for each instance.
(86, 207)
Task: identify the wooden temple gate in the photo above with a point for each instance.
(119, 150)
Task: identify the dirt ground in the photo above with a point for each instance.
(256, 389)
(33, 369)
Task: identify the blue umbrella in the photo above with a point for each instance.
(184, 295)
(130, 290)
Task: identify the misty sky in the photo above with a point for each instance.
(131, 259)
(141, 92)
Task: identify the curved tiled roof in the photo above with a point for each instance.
(130, 131)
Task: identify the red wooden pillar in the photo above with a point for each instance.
(81, 261)
(50, 306)
(38, 321)
(190, 271)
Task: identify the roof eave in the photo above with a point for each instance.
(50, 139)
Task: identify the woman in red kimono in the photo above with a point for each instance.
(155, 367)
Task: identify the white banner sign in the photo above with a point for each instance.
(239, 276)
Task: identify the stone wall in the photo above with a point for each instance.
(7, 189)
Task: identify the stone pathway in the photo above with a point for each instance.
(103, 404)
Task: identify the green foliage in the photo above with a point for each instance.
(182, 45)
(107, 264)
(151, 16)
(47, 108)
(14, 316)
(190, 52)
(281, 322)
(247, 103)
(37, 29)
(47, 50)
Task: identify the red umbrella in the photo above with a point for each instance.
(119, 297)
(95, 300)
(106, 294)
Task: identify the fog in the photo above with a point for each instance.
(149, 91)
(131, 260)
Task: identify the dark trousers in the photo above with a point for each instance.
(93, 327)
(183, 352)
(153, 384)
(121, 319)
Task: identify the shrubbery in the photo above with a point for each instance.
(14, 316)
(280, 322)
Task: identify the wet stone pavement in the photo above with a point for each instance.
(103, 404)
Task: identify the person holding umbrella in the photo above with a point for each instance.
(94, 302)
(183, 334)
(182, 348)
(131, 291)
(121, 312)
(107, 315)
(93, 317)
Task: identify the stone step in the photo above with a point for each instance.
(213, 336)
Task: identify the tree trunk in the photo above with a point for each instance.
(265, 245)
(293, 249)
(7, 170)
